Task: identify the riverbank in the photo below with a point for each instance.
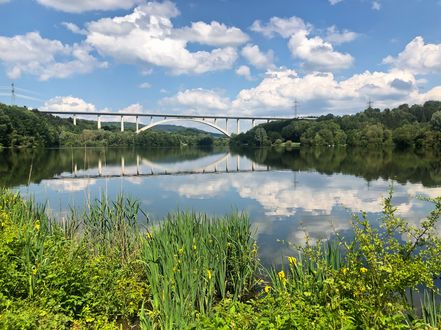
(104, 269)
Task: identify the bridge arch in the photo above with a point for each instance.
(145, 128)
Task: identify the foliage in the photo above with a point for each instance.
(195, 262)
(416, 126)
(361, 283)
(100, 269)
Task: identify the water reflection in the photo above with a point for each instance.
(288, 195)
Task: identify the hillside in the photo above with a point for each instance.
(404, 126)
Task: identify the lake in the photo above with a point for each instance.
(289, 195)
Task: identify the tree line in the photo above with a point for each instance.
(404, 126)
(24, 128)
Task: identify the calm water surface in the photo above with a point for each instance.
(286, 194)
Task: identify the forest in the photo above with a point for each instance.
(23, 128)
(406, 126)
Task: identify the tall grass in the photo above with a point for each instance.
(192, 262)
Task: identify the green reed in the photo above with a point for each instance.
(193, 261)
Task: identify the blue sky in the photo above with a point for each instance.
(236, 57)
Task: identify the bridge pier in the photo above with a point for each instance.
(253, 123)
(75, 120)
(137, 124)
(122, 123)
(237, 126)
(99, 121)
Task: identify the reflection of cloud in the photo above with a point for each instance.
(201, 187)
(69, 184)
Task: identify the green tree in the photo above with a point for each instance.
(435, 122)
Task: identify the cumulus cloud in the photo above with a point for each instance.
(213, 34)
(79, 6)
(74, 28)
(68, 104)
(321, 93)
(257, 58)
(316, 53)
(147, 36)
(285, 27)
(45, 58)
(336, 37)
(198, 99)
(244, 71)
(418, 57)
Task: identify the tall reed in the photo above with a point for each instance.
(192, 261)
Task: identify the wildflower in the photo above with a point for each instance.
(292, 261)
(363, 270)
(267, 289)
(149, 235)
(37, 225)
(209, 274)
(194, 247)
(34, 270)
(181, 251)
(344, 270)
(282, 277)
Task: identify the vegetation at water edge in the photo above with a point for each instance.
(104, 269)
(417, 126)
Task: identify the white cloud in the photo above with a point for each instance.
(282, 26)
(376, 5)
(145, 85)
(244, 71)
(213, 34)
(336, 37)
(147, 36)
(67, 104)
(257, 58)
(418, 57)
(45, 58)
(317, 54)
(321, 93)
(334, 2)
(70, 185)
(4, 1)
(74, 28)
(198, 99)
(79, 6)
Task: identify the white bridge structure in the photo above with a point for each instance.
(221, 164)
(219, 123)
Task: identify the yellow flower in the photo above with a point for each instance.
(292, 261)
(281, 275)
(149, 235)
(344, 270)
(181, 251)
(209, 274)
(363, 270)
(194, 247)
(267, 289)
(37, 225)
(34, 270)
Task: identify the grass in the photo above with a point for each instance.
(102, 269)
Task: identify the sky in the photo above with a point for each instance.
(220, 57)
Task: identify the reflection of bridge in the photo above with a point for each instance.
(209, 120)
(144, 168)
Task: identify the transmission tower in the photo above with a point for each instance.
(296, 105)
(370, 103)
(12, 94)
